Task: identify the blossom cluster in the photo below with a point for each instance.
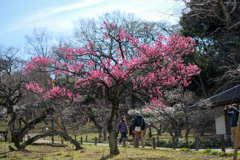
(158, 64)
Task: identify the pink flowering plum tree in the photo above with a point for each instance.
(145, 73)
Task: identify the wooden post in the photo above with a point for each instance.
(88, 123)
(95, 140)
(81, 141)
(157, 139)
(215, 139)
(176, 141)
(52, 134)
(222, 142)
(59, 122)
(6, 137)
(137, 142)
(52, 138)
(99, 138)
(9, 133)
(236, 143)
(230, 139)
(86, 138)
(173, 142)
(196, 143)
(124, 142)
(154, 145)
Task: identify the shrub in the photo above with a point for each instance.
(207, 151)
(204, 143)
(214, 152)
(148, 143)
(182, 143)
(185, 149)
(221, 153)
(160, 143)
(230, 154)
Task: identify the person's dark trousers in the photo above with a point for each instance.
(133, 135)
(123, 135)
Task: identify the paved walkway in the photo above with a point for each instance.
(228, 150)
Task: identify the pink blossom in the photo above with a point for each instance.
(163, 55)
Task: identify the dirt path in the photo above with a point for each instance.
(228, 150)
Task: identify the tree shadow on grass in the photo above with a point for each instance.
(4, 154)
(107, 157)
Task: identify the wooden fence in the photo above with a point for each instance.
(98, 139)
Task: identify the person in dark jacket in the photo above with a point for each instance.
(131, 131)
(139, 128)
(234, 119)
(122, 127)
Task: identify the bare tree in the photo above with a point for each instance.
(179, 115)
(39, 42)
(86, 30)
(218, 20)
(224, 13)
(11, 91)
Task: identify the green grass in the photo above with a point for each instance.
(3, 126)
(46, 152)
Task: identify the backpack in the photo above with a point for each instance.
(138, 128)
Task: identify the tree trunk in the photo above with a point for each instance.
(203, 130)
(150, 132)
(15, 137)
(177, 129)
(18, 136)
(209, 123)
(35, 138)
(112, 127)
(9, 132)
(92, 118)
(238, 48)
(158, 130)
(186, 136)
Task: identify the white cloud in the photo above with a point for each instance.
(45, 13)
(59, 19)
(53, 11)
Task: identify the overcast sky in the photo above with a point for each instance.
(19, 17)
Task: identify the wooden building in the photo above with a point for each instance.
(230, 96)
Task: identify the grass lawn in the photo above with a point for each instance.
(42, 152)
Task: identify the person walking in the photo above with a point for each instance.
(139, 128)
(234, 112)
(131, 131)
(122, 127)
